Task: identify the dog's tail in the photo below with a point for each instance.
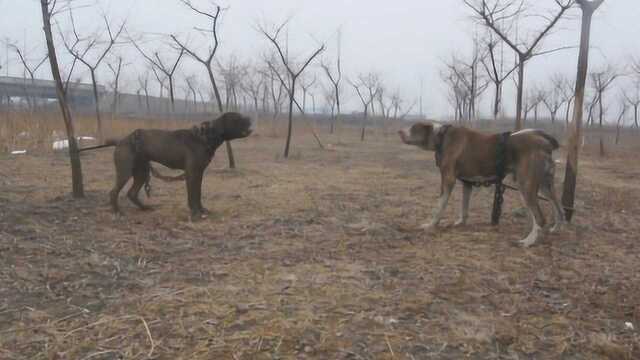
(165, 178)
(552, 140)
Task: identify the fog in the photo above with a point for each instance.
(406, 43)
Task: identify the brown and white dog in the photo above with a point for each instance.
(470, 156)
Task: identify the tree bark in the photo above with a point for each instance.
(290, 125)
(96, 99)
(571, 173)
(520, 92)
(74, 155)
(216, 92)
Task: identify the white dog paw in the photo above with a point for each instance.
(428, 226)
(556, 228)
(460, 222)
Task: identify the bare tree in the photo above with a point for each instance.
(306, 83)
(497, 74)
(601, 81)
(571, 174)
(366, 87)
(531, 103)
(81, 55)
(232, 73)
(624, 106)
(494, 13)
(291, 73)
(49, 10)
(633, 98)
(206, 60)
(143, 83)
(168, 69)
(555, 96)
(275, 90)
(192, 85)
(116, 70)
(252, 85)
(31, 69)
(329, 96)
(335, 80)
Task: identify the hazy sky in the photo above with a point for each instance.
(404, 42)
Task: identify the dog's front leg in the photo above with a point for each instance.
(447, 183)
(194, 186)
(466, 198)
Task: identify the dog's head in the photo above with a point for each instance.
(233, 125)
(420, 134)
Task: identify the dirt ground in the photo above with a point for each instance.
(315, 257)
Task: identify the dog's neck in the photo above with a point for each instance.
(437, 140)
(209, 135)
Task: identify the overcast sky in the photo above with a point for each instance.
(404, 41)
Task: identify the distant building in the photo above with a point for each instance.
(78, 94)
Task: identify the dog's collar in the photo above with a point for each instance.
(209, 135)
(439, 142)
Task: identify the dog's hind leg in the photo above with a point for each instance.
(123, 160)
(548, 190)
(466, 198)
(141, 174)
(529, 191)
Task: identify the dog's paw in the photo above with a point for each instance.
(428, 227)
(195, 217)
(460, 222)
(116, 216)
(556, 227)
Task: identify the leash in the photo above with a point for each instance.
(501, 168)
(96, 147)
(539, 197)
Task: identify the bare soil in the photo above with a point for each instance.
(315, 257)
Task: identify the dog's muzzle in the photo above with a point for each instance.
(404, 135)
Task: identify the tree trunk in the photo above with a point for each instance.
(146, 99)
(566, 118)
(364, 122)
(292, 92)
(519, 123)
(496, 101)
(96, 99)
(171, 94)
(573, 148)
(212, 79)
(74, 155)
(600, 118)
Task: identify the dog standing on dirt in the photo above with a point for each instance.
(190, 150)
(471, 157)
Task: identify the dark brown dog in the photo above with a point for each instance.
(470, 156)
(190, 150)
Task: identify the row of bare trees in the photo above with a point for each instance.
(263, 86)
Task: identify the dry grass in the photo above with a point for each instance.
(315, 257)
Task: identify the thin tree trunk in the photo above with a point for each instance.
(212, 79)
(571, 173)
(600, 118)
(74, 155)
(496, 101)
(290, 125)
(364, 122)
(96, 99)
(519, 123)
